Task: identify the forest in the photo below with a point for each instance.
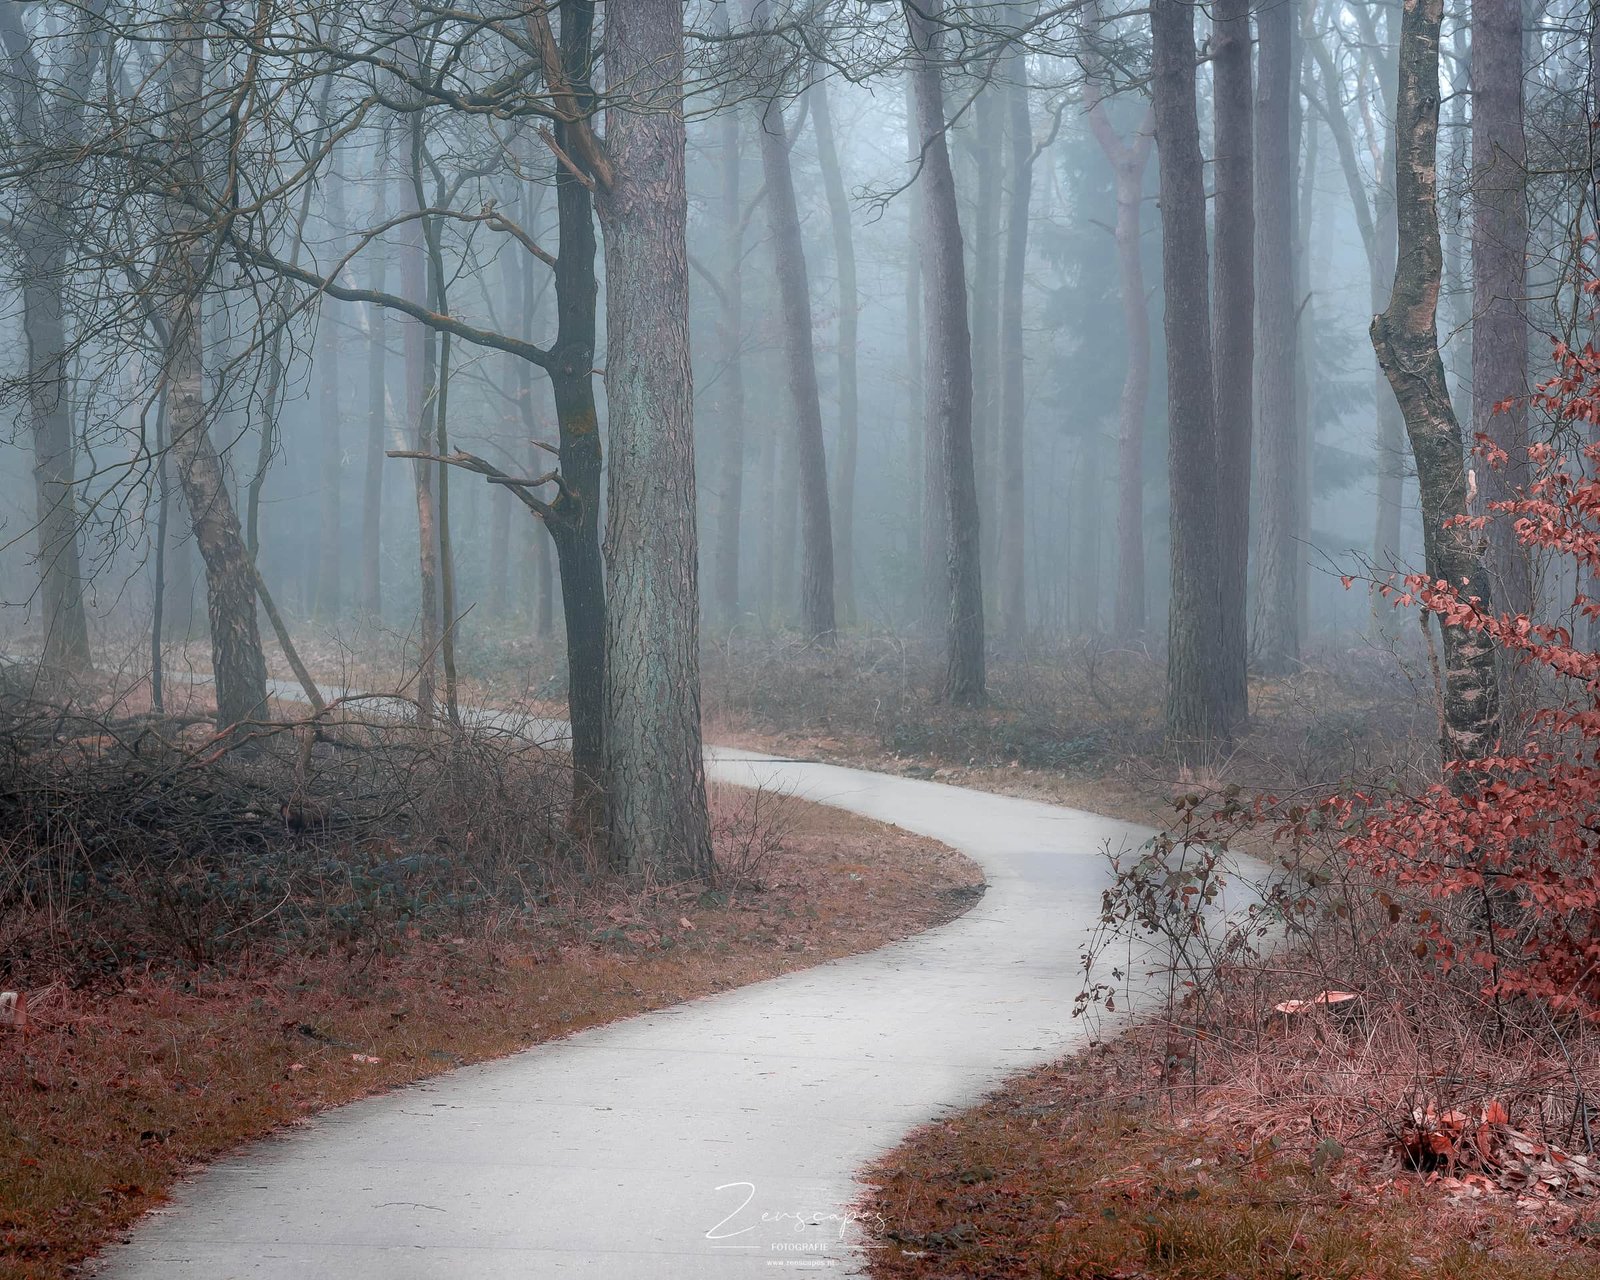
(519, 514)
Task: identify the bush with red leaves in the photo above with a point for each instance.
(1512, 841)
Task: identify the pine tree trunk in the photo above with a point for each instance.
(1010, 509)
(794, 292)
(330, 569)
(933, 522)
(656, 792)
(1499, 283)
(988, 148)
(844, 254)
(238, 666)
(1196, 712)
(729, 531)
(377, 431)
(1278, 549)
(949, 371)
(1128, 161)
(1233, 333)
(1405, 337)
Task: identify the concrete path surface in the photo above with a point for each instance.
(718, 1138)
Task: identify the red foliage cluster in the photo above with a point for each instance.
(1514, 838)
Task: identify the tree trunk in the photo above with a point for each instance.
(42, 231)
(794, 292)
(731, 337)
(1233, 333)
(1277, 547)
(844, 254)
(377, 427)
(988, 147)
(239, 669)
(1499, 282)
(656, 794)
(933, 524)
(949, 370)
(330, 552)
(1128, 163)
(1012, 467)
(1196, 713)
(1406, 339)
(420, 392)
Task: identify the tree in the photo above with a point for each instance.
(1196, 712)
(46, 113)
(948, 378)
(1499, 287)
(1233, 336)
(1012, 462)
(844, 256)
(1129, 160)
(656, 793)
(1277, 344)
(238, 666)
(1406, 339)
(800, 364)
(730, 330)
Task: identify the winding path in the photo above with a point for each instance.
(717, 1138)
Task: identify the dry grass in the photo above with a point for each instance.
(116, 1093)
(1089, 1170)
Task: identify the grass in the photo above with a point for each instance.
(1068, 1173)
(120, 1090)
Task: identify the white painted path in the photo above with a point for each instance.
(718, 1138)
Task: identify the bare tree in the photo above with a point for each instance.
(1406, 339)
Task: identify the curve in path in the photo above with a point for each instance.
(716, 1138)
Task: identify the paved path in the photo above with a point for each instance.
(718, 1138)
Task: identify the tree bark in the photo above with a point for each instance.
(1499, 283)
(1012, 489)
(330, 568)
(730, 503)
(817, 618)
(987, 143)
(1277, 547)
(844, 255)
(1128, 161)
(1405, 337)
(238, 667)
(656, 794)
(51, 115)
(1233, 333)
(933, 518)
(948, 371)
(377, 427)
(1196, 713)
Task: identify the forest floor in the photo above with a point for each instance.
(1429, 1137)
(129, 1075)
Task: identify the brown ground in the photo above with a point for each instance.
(114, 1094)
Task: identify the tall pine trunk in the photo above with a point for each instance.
(1233, 335)
(1012, 489)
(730, 336)
(800, 362)
(1278, 552)
(949, 371)
(1196, 712)
(1499, 281)
(656, 792)
(1406, 339)
(844, 256)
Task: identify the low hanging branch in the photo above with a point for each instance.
(520, 486)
